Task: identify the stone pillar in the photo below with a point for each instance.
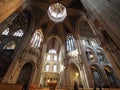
(39, 66)
(67, 77)
(84, 66)
(17, 56)
(106, 12)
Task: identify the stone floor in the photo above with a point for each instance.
(81, 89)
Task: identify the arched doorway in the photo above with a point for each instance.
(74, 75)
(24, 75)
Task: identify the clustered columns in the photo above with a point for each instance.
(107, 26)
(92, 62)
(84, 81)
(100, 61)
(17, 54)
(107, 43)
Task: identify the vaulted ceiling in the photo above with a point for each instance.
(74, 10)
(39, 9)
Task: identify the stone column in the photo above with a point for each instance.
(39, 67)
(67, 77)
(107, 14)
(17, 55)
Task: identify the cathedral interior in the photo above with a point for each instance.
(59, 42)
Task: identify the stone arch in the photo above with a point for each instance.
(53, 42)
(101, 55)
(30, 10)
(25, 75)
(54, 36)
(74, 74)
(81, 18)
(89, 54)
(34, 68)
(84, 21)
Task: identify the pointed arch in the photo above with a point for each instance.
(25, 75)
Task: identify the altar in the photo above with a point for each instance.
(52, 85)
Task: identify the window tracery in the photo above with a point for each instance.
(18, 33)
(89, 55)
(48, 57)
(6, 31)
(47, 67)
(52, 51)
(70, 43)
(55, 57)
(89, 41)
(101, 56)
(54, 68)
(37, 39)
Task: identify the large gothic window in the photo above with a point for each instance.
(54, 68)
(47, 67)
(18, 33)
(51, 55)
(89, 55)
(48, 57)
(52, 51)
(6, 31)
(37, 39)
(101, 56)
(70, 43)
(89, 41)
(55, 57)
(84, 42)
(94, 42)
